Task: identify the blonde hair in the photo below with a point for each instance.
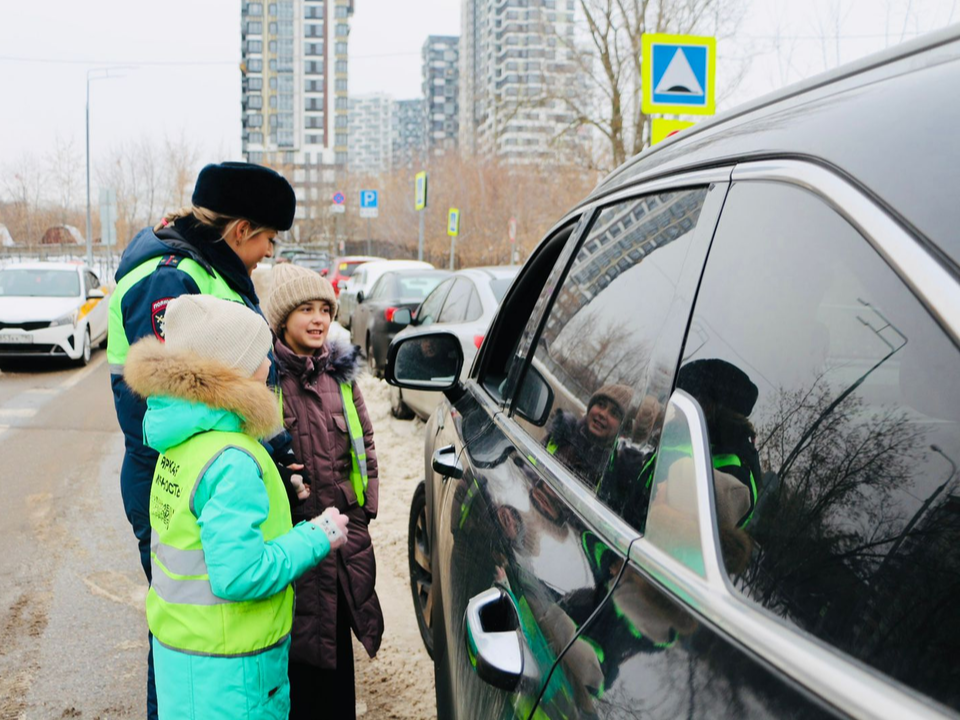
(224, 224)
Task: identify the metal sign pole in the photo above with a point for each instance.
(420, 246)
(369, 240)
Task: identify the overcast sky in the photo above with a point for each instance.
(186, 52)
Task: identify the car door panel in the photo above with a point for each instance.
(503, 526)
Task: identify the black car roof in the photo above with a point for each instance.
(889, 123)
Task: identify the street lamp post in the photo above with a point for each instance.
(107, 76)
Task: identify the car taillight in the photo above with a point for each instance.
(478, 340)
(389, 313)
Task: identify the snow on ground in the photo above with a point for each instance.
(398, 683)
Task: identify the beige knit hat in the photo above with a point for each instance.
(292, 286)
(619, 395)
(221, 330)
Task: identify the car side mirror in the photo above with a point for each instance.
(359, 296)
(96, 294)
(431, 361)
(323, 273)
(402, 317)
(535, 399)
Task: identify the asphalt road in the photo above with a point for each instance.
(73, 636)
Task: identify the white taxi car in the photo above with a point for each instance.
(51, 309)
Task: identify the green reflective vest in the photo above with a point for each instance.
(117, 343)
(358, 451)
(182, 611)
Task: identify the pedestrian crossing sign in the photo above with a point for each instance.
(679, 74)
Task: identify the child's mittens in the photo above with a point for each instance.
(334, 525)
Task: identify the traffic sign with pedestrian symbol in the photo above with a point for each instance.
(369, 203)
(420, 194)
(679, 74)
(453, 222)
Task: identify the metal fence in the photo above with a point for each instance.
(105, 259)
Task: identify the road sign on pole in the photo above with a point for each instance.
(679, 74)
(420, 197)
(420, 204)
(338, 203)
(453, 229)
(453, 222)
(108, 217)
(369, 203)
(661, 129)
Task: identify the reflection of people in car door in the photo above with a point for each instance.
(727, 396)
(585, 445)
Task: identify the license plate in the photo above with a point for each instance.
(17, 339)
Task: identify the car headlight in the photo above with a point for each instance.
(69, 319)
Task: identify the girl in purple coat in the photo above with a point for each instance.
(324, 412)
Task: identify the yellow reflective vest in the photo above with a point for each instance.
(182, 611)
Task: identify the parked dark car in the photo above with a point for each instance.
(373, 326)
(705, 463)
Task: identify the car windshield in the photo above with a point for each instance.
(312, 262)
(23, 282)
(499, 286)
(417, 287)
(346, 269)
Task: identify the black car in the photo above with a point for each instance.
(372, 327)
(706, 462)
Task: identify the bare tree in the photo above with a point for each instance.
(183, 157)
(63, 168)
(608, 58)
(23, 183)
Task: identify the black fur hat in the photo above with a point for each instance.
(248, 191)
(719, 381)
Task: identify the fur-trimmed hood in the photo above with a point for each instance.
(337, 357)
(153, 370)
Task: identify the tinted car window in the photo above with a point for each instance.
(416, 287)
(430, 308)
(474, 307)
(455, 307)
(499, 286)
(90, 280)
(611, 371)
(382, 287)
(832, 398)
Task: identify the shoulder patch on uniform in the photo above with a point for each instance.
(170, 260)
(158, 311)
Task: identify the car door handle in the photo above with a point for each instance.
(493, 639)
(445, 463)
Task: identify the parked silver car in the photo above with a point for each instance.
(464, 305)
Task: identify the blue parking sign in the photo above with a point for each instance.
(368, 198)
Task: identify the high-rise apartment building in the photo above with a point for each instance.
(408, 133)
(517, 64)
(371, 134)
(441, 88)
(295, 108)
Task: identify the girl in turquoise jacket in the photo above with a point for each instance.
(223, 552)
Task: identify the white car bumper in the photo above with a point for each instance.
(60, 341)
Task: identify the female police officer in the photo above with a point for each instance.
(209, 248)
